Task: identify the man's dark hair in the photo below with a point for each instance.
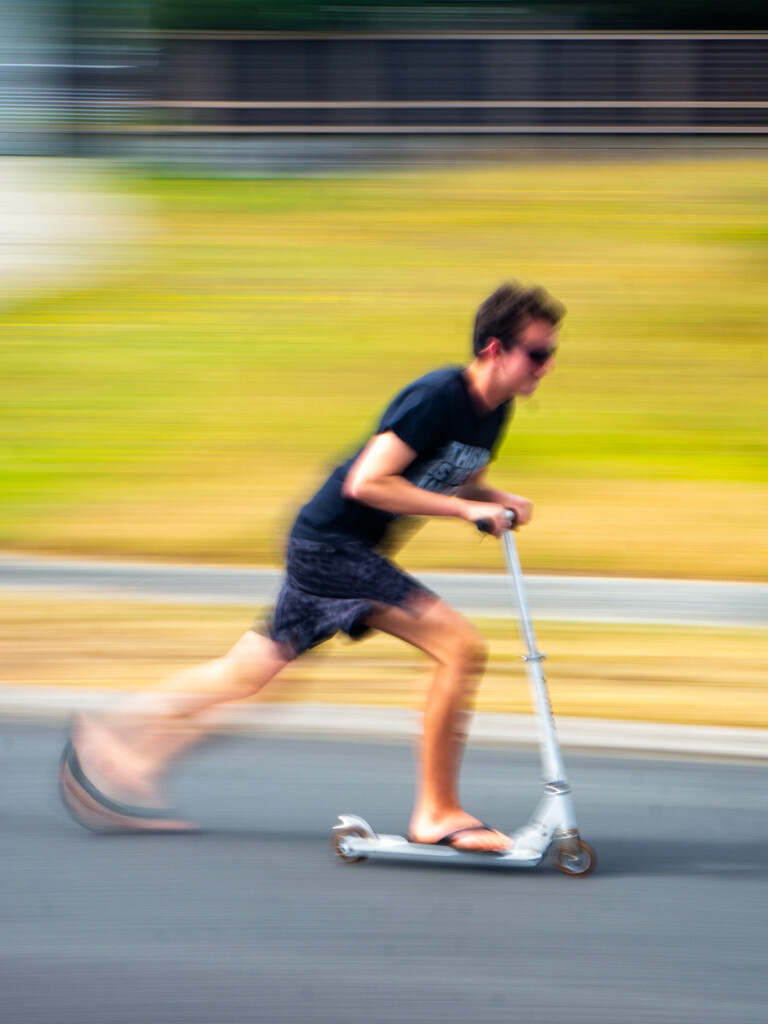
(505, 313)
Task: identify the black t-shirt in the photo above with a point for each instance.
(452, 439)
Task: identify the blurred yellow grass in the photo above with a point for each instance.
(645, 673)
(186, 407)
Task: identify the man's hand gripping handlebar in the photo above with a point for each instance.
(487, 525)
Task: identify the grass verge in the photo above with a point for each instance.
(645, 673)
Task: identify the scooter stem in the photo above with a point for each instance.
(552, 760)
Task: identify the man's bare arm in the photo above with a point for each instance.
(375, 479)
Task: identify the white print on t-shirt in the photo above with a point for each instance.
(451, 467)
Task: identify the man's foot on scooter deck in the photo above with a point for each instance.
(475, 838)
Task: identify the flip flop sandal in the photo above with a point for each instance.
(98, 812)
(448, 839)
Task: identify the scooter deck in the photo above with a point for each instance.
(388, 847)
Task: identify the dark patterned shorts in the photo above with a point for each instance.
(330, 588)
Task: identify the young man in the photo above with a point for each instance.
(427, 458)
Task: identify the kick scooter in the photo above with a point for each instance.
(552, 826)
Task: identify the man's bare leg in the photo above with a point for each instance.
(459, 652)
(124, 753)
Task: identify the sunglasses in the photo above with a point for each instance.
(539, 356)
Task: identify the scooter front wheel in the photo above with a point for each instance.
(575, 857)
(337, 840)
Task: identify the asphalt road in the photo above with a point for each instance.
(564, 598)
(254, 921)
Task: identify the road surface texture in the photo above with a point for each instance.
(253, 920)
(557, 598)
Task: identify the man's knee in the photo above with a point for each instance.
(463, 658)
(463, 645)
(473, 650)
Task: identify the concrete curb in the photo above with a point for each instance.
(387, 723)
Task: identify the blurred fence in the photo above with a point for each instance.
(186, 83)
(473, 83)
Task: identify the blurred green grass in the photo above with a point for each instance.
(185, 406)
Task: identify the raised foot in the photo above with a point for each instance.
(97, 811)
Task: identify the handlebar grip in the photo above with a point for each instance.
(486, 525)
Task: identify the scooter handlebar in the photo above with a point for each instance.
(486, 525)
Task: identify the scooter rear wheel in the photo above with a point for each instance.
(576, 858)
